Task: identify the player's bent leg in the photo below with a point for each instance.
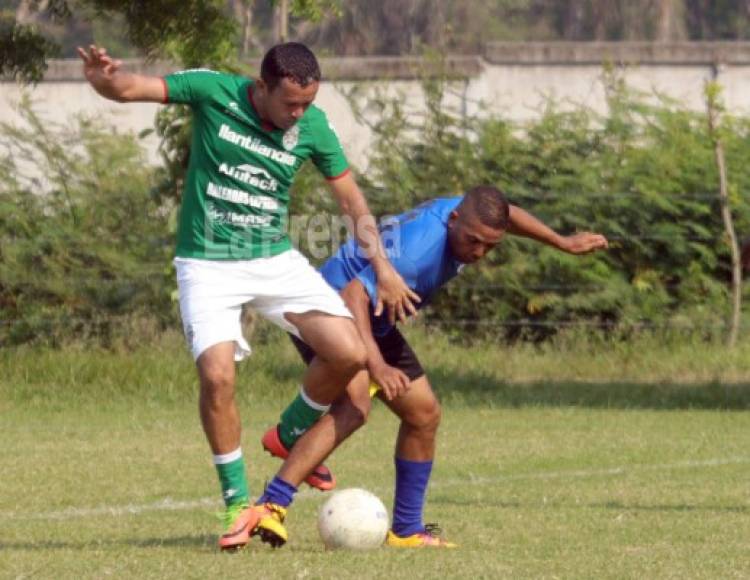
(340, 353)
(320, 477)
(321, 383)
(420, 413)
(347, 414)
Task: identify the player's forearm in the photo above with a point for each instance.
(116, 88)
(522, 223)
(126, 87)
(363, 227)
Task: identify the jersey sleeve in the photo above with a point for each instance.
(328, 155)
(190, 87)
(403, 265)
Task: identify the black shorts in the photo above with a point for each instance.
(393, 346)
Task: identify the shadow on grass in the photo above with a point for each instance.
(472, 387)
(478, 388)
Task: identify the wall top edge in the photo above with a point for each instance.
(361, 68)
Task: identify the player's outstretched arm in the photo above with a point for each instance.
(393, 381)
(522, 223)
(104, 74)
(393, 292)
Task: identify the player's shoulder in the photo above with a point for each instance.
(317, 119)
(210, 76)
(315, 113)
(423, 229)
(443, 206)
(435, 209)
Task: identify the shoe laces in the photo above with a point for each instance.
(276, 510)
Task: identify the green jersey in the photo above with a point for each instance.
(236, 198)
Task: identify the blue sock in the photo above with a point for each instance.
(411, 487)
(279, 492)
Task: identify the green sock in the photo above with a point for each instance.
(231, 470)
(298, 417)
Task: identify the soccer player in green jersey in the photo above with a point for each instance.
(250, 138)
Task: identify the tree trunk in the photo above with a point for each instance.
(243, 13)
(575, 14)
(283, 20)
(670, 20)
(726, 212)
(247, 29)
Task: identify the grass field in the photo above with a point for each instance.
(548, 467)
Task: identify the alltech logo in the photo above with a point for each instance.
(251, 175)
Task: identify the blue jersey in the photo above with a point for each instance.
(417, 245)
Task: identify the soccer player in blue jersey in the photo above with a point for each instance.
(428, 246)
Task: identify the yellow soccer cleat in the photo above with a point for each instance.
(270, 524)
(430, 538)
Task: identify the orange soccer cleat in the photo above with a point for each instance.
(239, 521)
(321, 477)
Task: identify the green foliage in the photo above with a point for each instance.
(193, 32)
(82, 239)
(643, 174)
(314, 10)
(23, 52)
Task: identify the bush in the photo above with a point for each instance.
(643, 174)
(83, 243)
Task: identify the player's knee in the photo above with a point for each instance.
(427, 416)
(352, 356)
(356, 418)
(217, 385)
(351, 416)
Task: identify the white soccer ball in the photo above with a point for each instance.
(353, 519)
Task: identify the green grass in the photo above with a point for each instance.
(548, 466)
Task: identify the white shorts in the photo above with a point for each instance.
(212, 293)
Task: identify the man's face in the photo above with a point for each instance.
(287, 102)
(469, 238)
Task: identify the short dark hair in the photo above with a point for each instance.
(291, 60)
(489, 204)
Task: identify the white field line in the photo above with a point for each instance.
(168, 504)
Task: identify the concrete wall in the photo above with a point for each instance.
(512, 80)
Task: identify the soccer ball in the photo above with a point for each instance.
(353, 519)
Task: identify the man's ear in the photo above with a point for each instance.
(261, 85)
(452, 218)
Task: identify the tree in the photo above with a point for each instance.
(193, 32)
(715, 108)
(23, 50)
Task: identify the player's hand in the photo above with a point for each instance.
(393, 381)
(396, 296)
(583, 243)
(98, 66)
